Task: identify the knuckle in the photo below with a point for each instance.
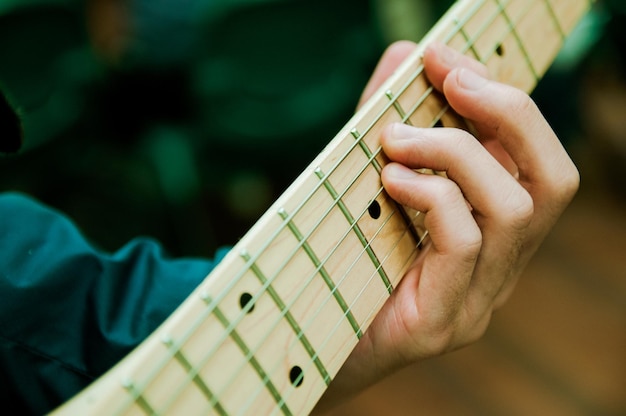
(570, 182)
(468, 239)
(519, 209)
(513, 103)
(448, 193)
(469, 243)
(563, 184)
(462, 143)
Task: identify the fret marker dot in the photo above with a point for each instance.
(500, 50)
(374, 210)
(244, 299)
(296, 376)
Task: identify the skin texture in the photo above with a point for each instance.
(505, 189)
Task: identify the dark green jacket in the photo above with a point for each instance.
(68, 312)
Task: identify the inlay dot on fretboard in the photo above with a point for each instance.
(244, 300)
(296, 376)
(374, 210)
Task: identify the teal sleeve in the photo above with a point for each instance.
(68, 312)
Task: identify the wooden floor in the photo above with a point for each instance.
(557, 348)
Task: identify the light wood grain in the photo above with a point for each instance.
(329, 274)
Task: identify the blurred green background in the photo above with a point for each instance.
(184, 119)
(179, 119)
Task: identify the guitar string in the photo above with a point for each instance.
(348, 232)
(262, 292)
(339, 284)
(373, 276)
(363, 136)
(288, 307)
(260, 343)
(177, 344)
(234, 324)
(348, 349)
(487, 57)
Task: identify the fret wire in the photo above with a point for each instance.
(371, 156)
(469, 44)
(312, 319)
(329, 296)
(472, 40)
(265, 286)
(518, 40)
(138, 398)
(442, 112)
(459, 24)
(290, 319)
(439, 115)
(423, 98)
(412, 78)
(197, 379)
(444, 109)
(248, 357)
(397, 106)
(383, 297)
(263, 289)
(555, 19)
(470, 13)
(467, 40)
(322, 271)
(301, 291)
(486, 58)
(214, 302)
(355, 133)
(355, 227)
(208, 311)
(252, 360)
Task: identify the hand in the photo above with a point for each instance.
(503, 192)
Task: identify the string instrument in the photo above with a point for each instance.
(269, 328)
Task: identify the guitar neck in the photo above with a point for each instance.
(270, 327)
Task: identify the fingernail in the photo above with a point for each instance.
(399, 172)
(401, 131)
(470, 80)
